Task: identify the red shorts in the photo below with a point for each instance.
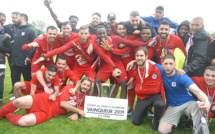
(36, 67)
(28, 89)
(89, 72)
(105, 72)
(41, 107)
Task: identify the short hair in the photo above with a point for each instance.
(159, 8)
(64, 23)
(134, 14)
(146, 27)
(212, 68)
(120, 23)
(165, 22)
(83, 28)
(73, 16)
(51, 27)
(169, 56)
(25, 16)
(16, 13)
(99, 27)
(62, 57)
(2, 14)
(1, 23)
(97, 13)
(199, 18)
(52, 68)
(87, 79)
(144, 49)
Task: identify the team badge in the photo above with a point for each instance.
(154, 76)
(173, 84)
(23, 33)
(49, 84)
(74, 97)
(63, 78)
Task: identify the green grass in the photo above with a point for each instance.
(62, 124)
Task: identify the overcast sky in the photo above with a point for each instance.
(176, 10)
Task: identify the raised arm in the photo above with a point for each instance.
(54, 16)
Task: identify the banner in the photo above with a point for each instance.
(106, 108)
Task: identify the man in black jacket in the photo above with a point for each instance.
(4, 48)
(10, 30)
(20, 60)
(196, 44)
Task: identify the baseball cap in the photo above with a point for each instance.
(111, 16)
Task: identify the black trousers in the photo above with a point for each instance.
(17, 71)
(143, 105)
(2, 75)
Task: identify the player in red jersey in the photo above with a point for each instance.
(41, 108)
(149, 89)
(105, 72)
(207, 85)
(64, 37)
(35, 87)
(43, 46)
(62, 73)
(84, 63)
(166, 42)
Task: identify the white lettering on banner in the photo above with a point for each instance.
(106, 108)
(80, 59)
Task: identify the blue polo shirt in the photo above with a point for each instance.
(176, 88)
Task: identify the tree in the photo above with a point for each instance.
(39, 26)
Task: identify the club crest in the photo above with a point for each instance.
(154, 76)
(173, 84)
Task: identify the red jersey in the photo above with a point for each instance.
(83, 60)
(64, 76)
(75, 100)
(200, 82)
(69, 53)
(44, 47)
(54, 82)
(172, 43)
(152, 81)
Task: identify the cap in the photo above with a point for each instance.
(111, 16)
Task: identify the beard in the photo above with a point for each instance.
(169, 72)
(143, 62)
(163, 37)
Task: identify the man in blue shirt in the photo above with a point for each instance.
(158, 17)
(179, 90)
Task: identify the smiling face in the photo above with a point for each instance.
(51, 35)
(140, 58)
(61, 65)
(146, 35)
(66, 29)
(135, 21)
(209, 77)
(95, 21)
(73, 22)
(195, 25)
(121, 30)
(101, 34)
(49, 75)
(163, 31)
(183, 31)
(85, 86)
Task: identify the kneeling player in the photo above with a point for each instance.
(41, 108)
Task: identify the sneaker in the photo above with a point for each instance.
(11, 91)
(1, 103)
(155, 124)
(130, 112)
(150, 113)
(12, 98)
